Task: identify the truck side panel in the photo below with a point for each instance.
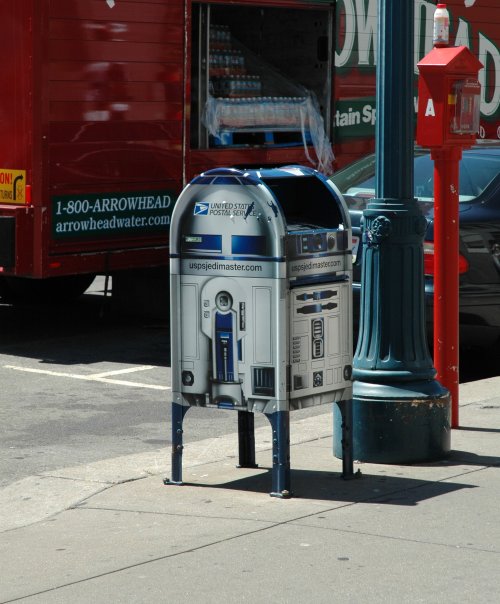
(16, 98)
(115, 90)
(94, 123)
(16, 131)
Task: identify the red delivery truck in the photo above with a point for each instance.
(110, 107)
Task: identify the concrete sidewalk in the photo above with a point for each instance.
(112, 532)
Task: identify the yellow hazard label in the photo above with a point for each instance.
(12, 186)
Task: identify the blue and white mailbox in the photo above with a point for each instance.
(261, 304)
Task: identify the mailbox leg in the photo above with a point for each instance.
(246, 440)
(345, 408)
(280, 423)
(178, 413)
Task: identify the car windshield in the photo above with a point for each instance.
(477, 170)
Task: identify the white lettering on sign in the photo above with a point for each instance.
(360, 22)
(430, 111)
(489, 55)
(342, 57)
(353, 117)
(91, 225)
(359, 44)
(367, 30)
(346, 118)
(369, 115)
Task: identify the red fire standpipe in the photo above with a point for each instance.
(448, 121)
(446, 278)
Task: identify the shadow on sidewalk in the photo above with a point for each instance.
(459, 458)
(329, 486)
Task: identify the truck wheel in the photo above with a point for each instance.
(20, 290)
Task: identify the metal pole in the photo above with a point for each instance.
(178, 413)
(280, 423)
(446, 279)
(246, 440)
(400, 413)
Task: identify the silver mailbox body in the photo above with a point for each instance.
(261, 300)
(261, 293)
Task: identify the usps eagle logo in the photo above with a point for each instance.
(201, 209)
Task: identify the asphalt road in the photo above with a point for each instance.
(79, 385)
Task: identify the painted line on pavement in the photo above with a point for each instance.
(96, 377)
(120, 371)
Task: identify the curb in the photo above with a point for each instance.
(39, 497)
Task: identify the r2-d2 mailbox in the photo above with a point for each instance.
(261, 304)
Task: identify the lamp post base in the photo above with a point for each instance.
(401, 423)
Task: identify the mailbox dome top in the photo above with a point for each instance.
(284, 171)
(225, 176)
(234, 176)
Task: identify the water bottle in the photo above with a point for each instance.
(240, 60)
(226, 36)
(227, 63)
(266, 112)
(441, 34)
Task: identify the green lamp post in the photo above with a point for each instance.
(401, 414)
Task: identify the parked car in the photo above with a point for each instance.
(479, 247)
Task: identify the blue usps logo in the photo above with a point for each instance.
(201, 209)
